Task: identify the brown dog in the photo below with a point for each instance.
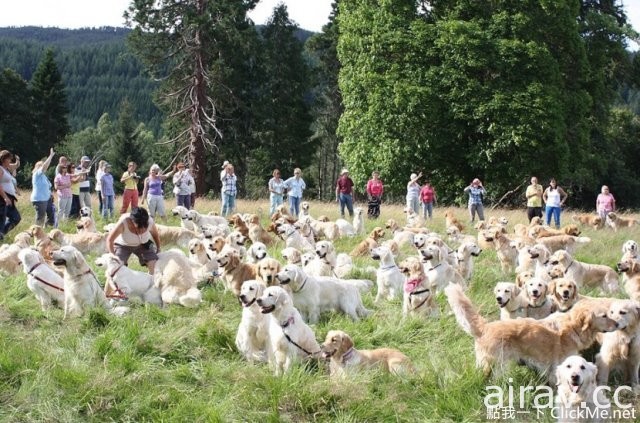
(631, 269)
(368, 243)
(256, 232)
(617, 221)
(587, 219)
(540, 231)
(239, 224)
(451, 220)
(235, 271)
(338, 346)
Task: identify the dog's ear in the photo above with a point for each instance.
(347, 342)
(552, 287)
(635, 267)
(516, 290)
(586, 319)
(78, 257)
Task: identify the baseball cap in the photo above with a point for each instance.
(85, 159)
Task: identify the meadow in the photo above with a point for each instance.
(177, 364)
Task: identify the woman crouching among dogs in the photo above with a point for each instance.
(135, 233)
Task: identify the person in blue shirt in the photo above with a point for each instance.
(295, 186)
(41, 192)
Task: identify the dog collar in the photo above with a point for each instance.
(115, 271)
(85, 273)
(301, 286)
(34, 267)
(543, 303)
(119, 295)
(434, 267)
(393, 266)
(347, 356)
(565, 270)
(287, 322)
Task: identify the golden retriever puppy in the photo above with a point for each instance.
(289, 338)
(564, 294)
(563, 242)
(577, 392)
(586, 219)
(368, 244)
(503, 341)
(617, 221)
(267, 269)
(512, 304)
(451, 220)
(621, 348)
(538, 305)
(235, 272)
(338, 347)
(419, 291)
(253, 331)
(631, 270)
(42, 280)
(505, 249)
(239, 225)
(585, 274)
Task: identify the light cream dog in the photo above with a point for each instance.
(401, 236)
(289, 339)
(438, 270)
(631, 271)
(585, 274)
(257, 252)
(173, 275)
(464, 256)
(251, 338)
(45, 283)
(389, 278)
(291, 255)
(538, 304)
(85, 242)
(124, 283)
(621, 348)
(577, 392)
(338, 347)
(512, 304)
(175, 235)
(199, 219)
(563, 242)
(315, 295)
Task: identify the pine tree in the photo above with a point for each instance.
(50, 105)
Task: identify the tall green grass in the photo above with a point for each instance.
(177, 364)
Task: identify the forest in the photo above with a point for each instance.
(453, 88)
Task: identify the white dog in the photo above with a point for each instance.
(293, 238)
(389, 278)
(183, 213)
(289, 337)
(123, 283)
(257, 252)
(292, 255)
(577, 391)
(438, 270)
(464, 258)
(174, 277)
(358, 221)
(315, 295)
(253, 330)
(511, 303)
(45, 283)
(199, 219)
(81, 288)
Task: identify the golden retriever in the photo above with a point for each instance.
(42, 280)
(577, 392)
(174, 276)
(540, 231)
(175, 235)
(235, 271)
(586, 274)
(622, 347)
(419, 291)
(289, 338)
(563, 242)
(251, 338)
(43, 242)
(369, 243)
(239, 224)
(538, 305)
(86, 224)
(564, 293)
(267, 269)
(631, 269)
(512, 304)
(542, 347)
(451, 220)
(586, 219)
(507, 252)
(85, 242)
(617, 221)
(338, 347)
(256, 232)
(437, 269)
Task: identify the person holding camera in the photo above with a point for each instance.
(85, 184)
(229, 190)
(182, 182)
(476, 193)
(130, 180)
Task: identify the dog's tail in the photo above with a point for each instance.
(575, 218)
(583, 239)
(466, 314)
(192, 298)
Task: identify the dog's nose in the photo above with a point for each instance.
(269, 278)
(535, 292)
(565, 293)
(499, 299)
(575, 378)
(259, 301)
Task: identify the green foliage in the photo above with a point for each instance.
(16, 126)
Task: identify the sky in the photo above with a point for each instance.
(308, 14)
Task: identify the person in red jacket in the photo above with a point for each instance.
(428, 199)
(375, 189)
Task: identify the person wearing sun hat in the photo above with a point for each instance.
(344, 192)
(413, 192)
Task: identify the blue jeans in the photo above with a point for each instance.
(427, 209)
(346, 200)
(555, 211)
(276, 200)
(44, 210)
(228, 203)
(184, 201)
(107, 206)
(11, 218)
(294, 205)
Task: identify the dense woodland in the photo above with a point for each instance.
(454, 88)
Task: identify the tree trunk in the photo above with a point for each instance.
(198, 115)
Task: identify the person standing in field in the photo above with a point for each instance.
(344, 193)
(99, 173)
(276, 191)
(153, 193)
(85, 184)
(554, 198)
(229, 190)
(428, 199)
(413, 193)
(476, 194)
(107, 191)
(295, 187)
(182, 181)
(130, 195)
(62, 183)
(41, 196)
(605, 203)
(76, 179)
(8, 195)
(375, 189)
(534, 199)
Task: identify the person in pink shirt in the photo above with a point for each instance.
(375, 189)
(428, 199)
(605, 203)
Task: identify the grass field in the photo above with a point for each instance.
(177, 364)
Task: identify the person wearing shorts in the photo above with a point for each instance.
(135, 233)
